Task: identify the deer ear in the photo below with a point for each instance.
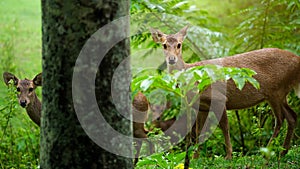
(38, 80)
(8, 76)
(182, 33)
(158, 36)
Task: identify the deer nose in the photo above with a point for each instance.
(172, 60)
(23, 103)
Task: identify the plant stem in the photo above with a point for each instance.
(241, 131)
(188, 137)
(264, 28)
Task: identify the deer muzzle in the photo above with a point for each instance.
(23, 103)
(172, 60)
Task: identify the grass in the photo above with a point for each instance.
(20, 23)
(20, 39)
(254, 161)
(289, 161)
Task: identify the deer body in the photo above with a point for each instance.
(34, 109)
(26, 95)
(278, 71)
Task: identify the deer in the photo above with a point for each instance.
(140, 106)
(278, 72)
(27, 97)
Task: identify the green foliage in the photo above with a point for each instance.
(7, 56)
(19, 146)
(294, 102)
(184, 81)
(19, 54)
(161, 161)
(20, 30)
(202, 40)
(269, 24)
(243, 26)
(291, 160)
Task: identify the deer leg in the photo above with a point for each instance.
(198, 129)
(214, 102)
(138, 149)
(225, 129)
(291, 118)
(277, 111)
(151, 147)
(139, 133)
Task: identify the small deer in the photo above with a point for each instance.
(26, 94)
(140, 106)
(278, 72)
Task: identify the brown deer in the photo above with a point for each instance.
(140, 107)
(26, 94)
(278, 72)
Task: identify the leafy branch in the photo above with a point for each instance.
(195, 80)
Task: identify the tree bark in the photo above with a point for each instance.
(66, 26)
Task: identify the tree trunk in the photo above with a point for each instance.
(66, 140)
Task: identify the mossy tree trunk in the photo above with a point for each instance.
(66, 26)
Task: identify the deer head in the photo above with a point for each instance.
(172, 45)
(25, 88)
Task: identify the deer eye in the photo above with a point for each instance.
(178, 45)
(165, 46)
(30, 89)
(18, 89)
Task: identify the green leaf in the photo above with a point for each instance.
(254, 82)
(146, 161)
(248, 72)
(198, 74)
(179, 157)
(178, 5)
(137, 81)
(146, 84)
(204, 83)
(239, 82)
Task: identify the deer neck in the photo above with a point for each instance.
(34, 109)
(180, 65)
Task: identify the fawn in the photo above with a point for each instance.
(26, 94)
(278, 72)
(140, 107)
